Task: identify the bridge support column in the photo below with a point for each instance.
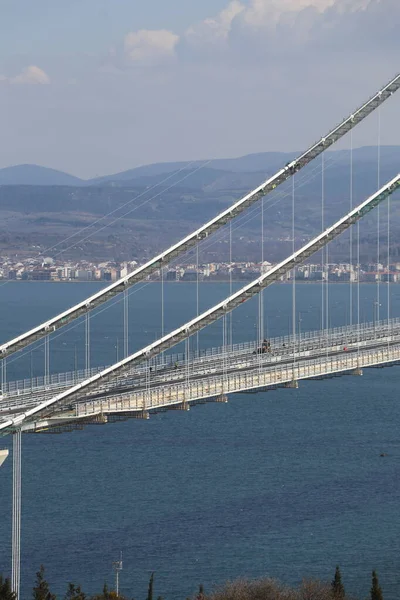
(357, 371)
(293, 385)
(222, 398)
(181, 406)
(16, 514)
(144, 414)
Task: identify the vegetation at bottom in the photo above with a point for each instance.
(241, 589)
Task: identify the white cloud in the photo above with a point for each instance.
(31, 75)
(216, 29)
(146, 46)
(264, 31)
(268, 13)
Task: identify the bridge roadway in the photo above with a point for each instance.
(214, 373)
(26, 393)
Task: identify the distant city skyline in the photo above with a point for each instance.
(100, 87)
(49, 269)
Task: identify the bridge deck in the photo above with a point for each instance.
(174, 367)
(214, 376)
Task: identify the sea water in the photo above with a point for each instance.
(285, 483)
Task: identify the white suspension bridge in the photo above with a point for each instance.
(152, 379)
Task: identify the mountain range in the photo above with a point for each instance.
(267, 162)
(141, 211)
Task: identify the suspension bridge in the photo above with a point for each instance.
(154, 379)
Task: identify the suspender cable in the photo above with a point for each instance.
(146, 397)
(31, 369)
(388, 263)
(358, 292)
(293, 282)
(187, 365)
(262, 271)
(4, 375)
(46, 360)
(378, 241)
(323, 249)
(75, 363)
(325, 279)
(87, 342)
(126, 322)
(224, 353)
(260, 348)
(162, 301)
(351, 274)
(231, 282)
(197, 295)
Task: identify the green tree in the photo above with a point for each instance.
(103, 596)
(74, 593)
(106, 593)
(41, 590)
(337, 585)
(376, 592)
(200, 595)
(5, 589)
(150, 590)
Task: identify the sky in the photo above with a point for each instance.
(94, 87)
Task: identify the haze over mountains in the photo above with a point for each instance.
(267, 162)
(143, 210)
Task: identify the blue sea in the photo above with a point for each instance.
(285, 483)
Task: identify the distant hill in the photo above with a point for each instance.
(135, 217)
(263, 162)
(193, 173)
(243, 164)
(35, 175)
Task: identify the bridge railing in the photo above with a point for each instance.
(65, 379)
(212, 386)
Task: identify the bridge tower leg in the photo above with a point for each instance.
(16, 514)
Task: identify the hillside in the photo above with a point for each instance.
(35, 175)
(264, 162)
(147, 212)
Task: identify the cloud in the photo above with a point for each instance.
(216, 29)
(29, 75)
(264, 31)
(148, 47)
(269, 13)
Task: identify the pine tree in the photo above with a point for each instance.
(200, 595)
(150, 590)
(376, 592)
(5, 589)
(105, 595)
(337, 585)
(41, 590)
(74, 593)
